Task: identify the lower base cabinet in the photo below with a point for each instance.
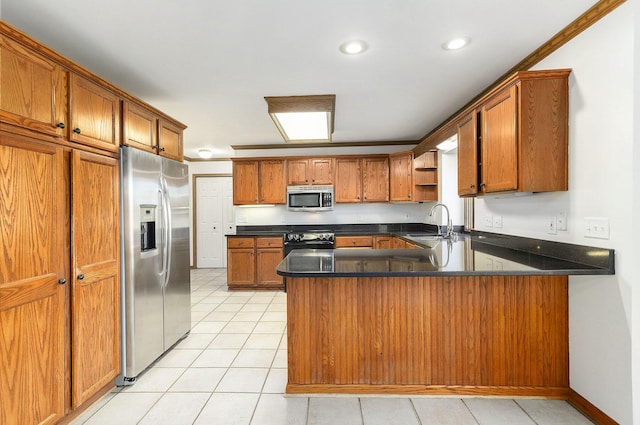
(252, 262)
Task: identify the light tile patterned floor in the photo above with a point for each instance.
(231, 370)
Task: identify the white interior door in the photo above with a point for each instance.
(212, 220)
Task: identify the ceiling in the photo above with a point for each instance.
(209, 63)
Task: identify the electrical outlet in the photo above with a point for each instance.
(497, 265)
(596, 227)
(552, 226)
(562, 221)
(497, 221)
(488, 221)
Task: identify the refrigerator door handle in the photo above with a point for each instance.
(167, 223)
(163, 234)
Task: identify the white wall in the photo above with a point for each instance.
(601, 176)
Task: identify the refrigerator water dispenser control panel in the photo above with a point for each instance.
(147, 227)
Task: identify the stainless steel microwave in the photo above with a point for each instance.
(310, 198)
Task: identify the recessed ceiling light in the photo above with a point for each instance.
(354, 47)
(205, 153)
(456, 43)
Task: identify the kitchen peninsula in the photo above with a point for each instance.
(484, 315)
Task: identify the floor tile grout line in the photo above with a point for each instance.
(470, 411)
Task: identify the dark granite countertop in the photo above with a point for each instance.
(468, 255)
(339, 229)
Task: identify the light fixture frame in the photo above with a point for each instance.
(311, 103)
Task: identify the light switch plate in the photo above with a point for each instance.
(488, 221)
(552, 225)
(497, 221)
(596, 227)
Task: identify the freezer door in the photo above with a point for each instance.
(141, 269)
(177, 289)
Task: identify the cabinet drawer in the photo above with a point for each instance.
(354, 241)
(240, 243)
(275, 242)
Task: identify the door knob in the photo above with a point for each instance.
(62, 281)
(76, 130)
(60, 125)
(80, 276)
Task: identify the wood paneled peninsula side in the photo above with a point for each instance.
(483, 315)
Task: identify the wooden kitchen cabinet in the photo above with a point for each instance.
(140, 127)
(468, 155)
(34, 281)
(522, 136)
(33, 90)
(401, 176)
(310, 171)
(67, 305)
(425, 177)
(348, 187)
(170, 140)
(354, 242)
(252, 262)
(362, 179)
(259, 182)
(269, 253)
(95, 294)
(382, 242)
(94, 114)
(375, 179)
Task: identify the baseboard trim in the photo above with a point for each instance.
(588, 409)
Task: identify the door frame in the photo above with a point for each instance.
(195, 210)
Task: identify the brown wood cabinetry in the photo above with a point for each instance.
(33, 90)
(522, 137)
(170, 140)
(310, 171)
(354, 242)
(475, 335)
(425, 177)
(259, 182)
(94, 114)
(140, 127)
(401, 176)
(95, 291)
(68, 306)
(252, 262)
(468, 155)
(33, 303)
(362, 179)
(269, 253)
(382, 242)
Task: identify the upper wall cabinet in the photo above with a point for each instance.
(170, 140)
(517, 138)
(362, 179)
(310, 171)
(94, 114)
(33, 90)
(425, 177)
(140, 127)
(259, 182)
(401, 176)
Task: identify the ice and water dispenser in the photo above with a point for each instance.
(147, 227)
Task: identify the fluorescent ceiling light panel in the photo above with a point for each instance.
(303, 118)
(304, 125)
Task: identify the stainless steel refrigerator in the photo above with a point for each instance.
(155, 276)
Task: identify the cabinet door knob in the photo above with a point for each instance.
(76, 130)
(60, 125)
(80, 276)
(472, 186)
(162, 149)
(62, 281)
(214, 227)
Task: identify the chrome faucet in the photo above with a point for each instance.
(449, 231)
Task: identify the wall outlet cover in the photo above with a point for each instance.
(562, 221)
(596, 227)
(497, 221)
(488, 221)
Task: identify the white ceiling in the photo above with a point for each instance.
(209, 63)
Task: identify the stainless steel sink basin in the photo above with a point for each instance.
(429, 240)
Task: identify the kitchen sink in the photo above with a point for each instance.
(428, 240)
